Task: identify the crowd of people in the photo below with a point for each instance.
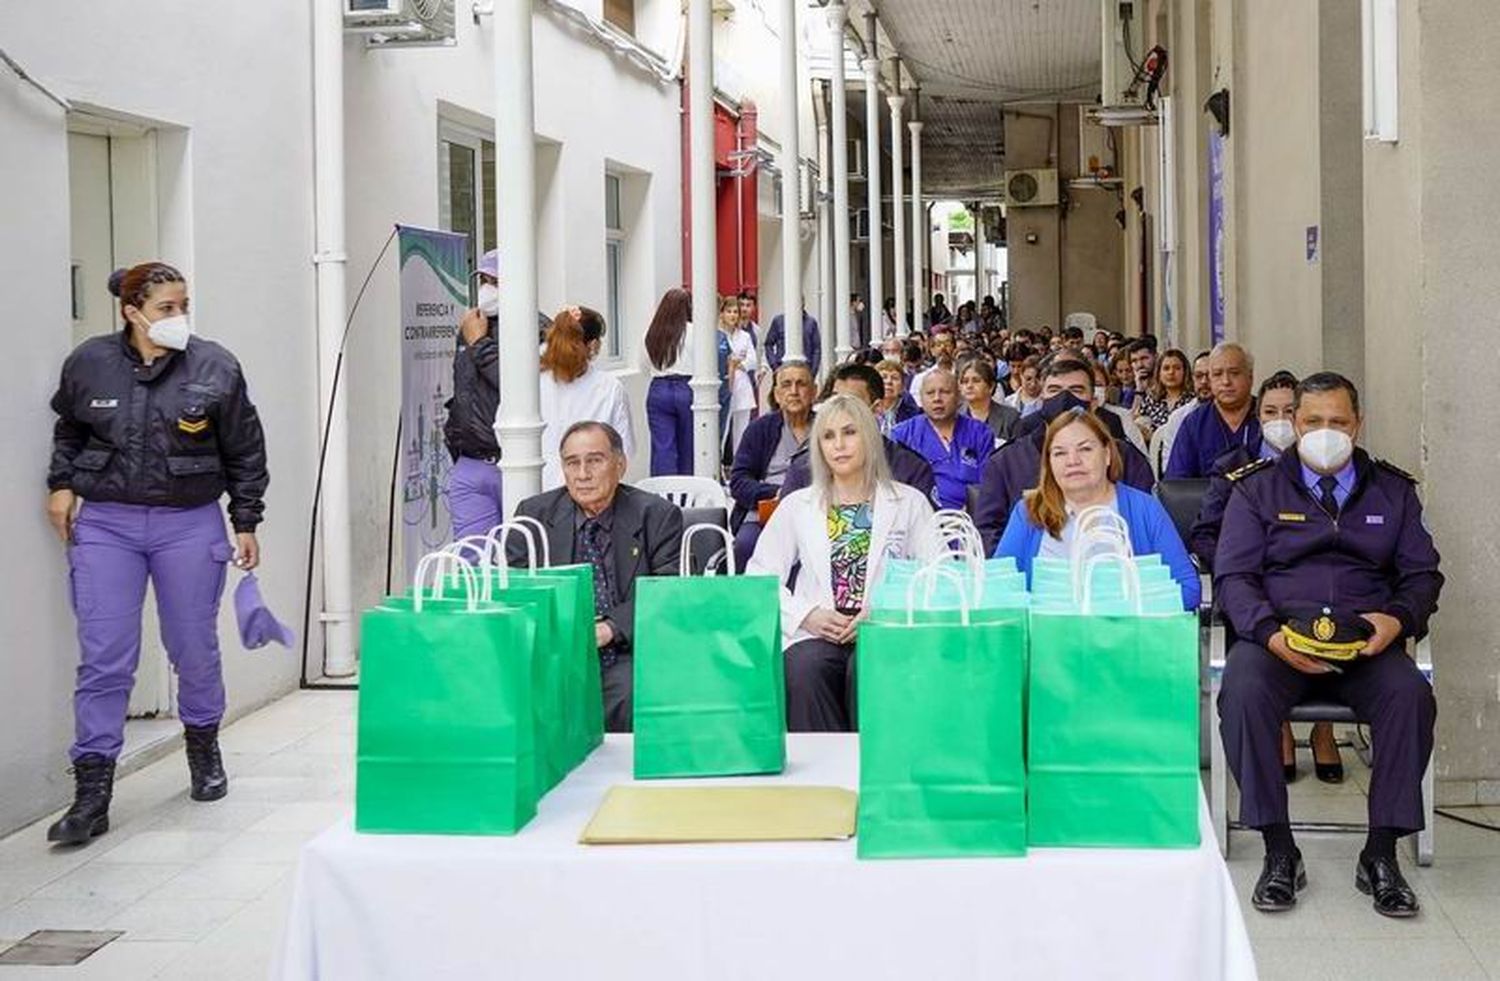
(1303, 532)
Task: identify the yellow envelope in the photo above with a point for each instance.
(677, 815)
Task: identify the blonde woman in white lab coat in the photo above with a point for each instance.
(573, 390)
(842, 529)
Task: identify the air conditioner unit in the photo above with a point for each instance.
(1030, 188)
(408, 22)
(1121, 24)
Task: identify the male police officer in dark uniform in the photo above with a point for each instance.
(1327, 525)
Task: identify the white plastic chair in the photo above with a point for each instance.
(688, 492)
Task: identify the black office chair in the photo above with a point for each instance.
(1183, 499)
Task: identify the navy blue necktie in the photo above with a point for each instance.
(591, 538)
(1326, 486)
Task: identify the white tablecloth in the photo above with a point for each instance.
(541, 906)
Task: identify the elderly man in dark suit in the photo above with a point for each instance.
(624, 533)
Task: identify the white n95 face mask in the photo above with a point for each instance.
(1279, 433)
(171, 332)
(1325, 450)
(489, 299)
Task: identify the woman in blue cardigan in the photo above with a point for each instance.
(1081, 469)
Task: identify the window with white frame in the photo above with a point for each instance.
(1381, 55)
(466, 186)
(614, 263)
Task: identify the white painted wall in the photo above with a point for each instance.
(239, 223)
(594, 110)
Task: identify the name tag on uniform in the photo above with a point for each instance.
(1291, 516)
(104, 403)
(1374, 519)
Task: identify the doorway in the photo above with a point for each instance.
(114, 222)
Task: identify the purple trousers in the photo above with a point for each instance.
(474, 497)
(116, 548)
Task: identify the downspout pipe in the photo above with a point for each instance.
(330, 261)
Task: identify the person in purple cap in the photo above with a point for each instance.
(154, 426)
(474, 483)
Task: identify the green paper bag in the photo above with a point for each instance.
(583, 692)
(446, 729)
(940, 740)
(547, 695)
(582, 689)
(710, 695)
(1113, 730)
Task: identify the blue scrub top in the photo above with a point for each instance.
(956, 465)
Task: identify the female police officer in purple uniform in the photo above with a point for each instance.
(154, 425)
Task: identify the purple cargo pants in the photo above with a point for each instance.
(474, 497)
(116, 547)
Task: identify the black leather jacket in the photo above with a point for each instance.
(470, 427)
(176, 433)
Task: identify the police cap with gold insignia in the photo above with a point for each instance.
(1328, 634)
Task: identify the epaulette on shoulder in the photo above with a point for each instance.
(1388, 465)
(1254, 466)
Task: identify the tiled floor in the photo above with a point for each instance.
(200, 890)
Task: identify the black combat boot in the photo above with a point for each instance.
(88, 818)
(204, 764)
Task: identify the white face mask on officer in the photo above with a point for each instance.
(489, 299)
(1279, 433)
(1325, 450)
(171, 332)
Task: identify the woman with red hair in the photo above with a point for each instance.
(574, 391)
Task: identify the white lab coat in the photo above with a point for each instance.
(594, 395)
(798, 532)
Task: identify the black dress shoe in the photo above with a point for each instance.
(1329, 772)
(1289, 770)
(1281, 876)
(1381, 879)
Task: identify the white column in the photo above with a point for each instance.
(920, 231)
(840, 119)
(704, 274)
(872, 186)
(898, 213)
(330, 261)
(978, 252)
(790, 163)
(825, 246)
(518, 424)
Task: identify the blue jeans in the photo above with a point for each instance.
(669, 413)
